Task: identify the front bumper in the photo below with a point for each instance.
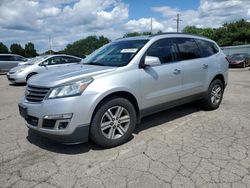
(16, 78)
(40, 118)
(80, 135)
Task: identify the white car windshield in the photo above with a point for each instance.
(35, 59)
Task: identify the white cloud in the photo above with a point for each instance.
(64, 20)
(166, 11)
(51, 11)
(68, 20)
(210, 13)
(143, 24)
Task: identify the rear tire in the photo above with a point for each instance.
(113, 122)
(214, 95)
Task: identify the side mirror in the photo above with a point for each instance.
(152, 61)
(44, 63)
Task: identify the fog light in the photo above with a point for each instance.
(63, 125)
(59, 116)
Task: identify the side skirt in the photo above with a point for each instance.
(168, 105)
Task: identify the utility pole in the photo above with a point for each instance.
(151, 25)
(50, 45)
(178, 20)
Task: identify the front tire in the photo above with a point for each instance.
(113, 122)
(214, 95)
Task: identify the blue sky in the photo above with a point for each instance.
(142, 8)
(66, 21)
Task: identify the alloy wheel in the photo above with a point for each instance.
(115, 122)
(216, 94)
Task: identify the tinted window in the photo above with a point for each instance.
(207, 48)
(188, 48)
(6, 58)
(53, 61)
(67, 59)
(19, 58)
(164, 49)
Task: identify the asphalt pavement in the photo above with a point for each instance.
(181, 147)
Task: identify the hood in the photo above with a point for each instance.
(18, 68)
(67, 74)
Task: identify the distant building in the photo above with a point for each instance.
(229, 50)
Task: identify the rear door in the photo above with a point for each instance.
(162, 83)
(7, 62)
(194, 67)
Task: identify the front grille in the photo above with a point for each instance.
(49, 123)
(35, 94)
(32, 121)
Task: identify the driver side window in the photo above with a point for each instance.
(164, 49)
(52, 61)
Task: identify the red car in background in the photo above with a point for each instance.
(239, 60)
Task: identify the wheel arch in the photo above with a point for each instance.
(31, 73)
(123, 94)
(219, 77)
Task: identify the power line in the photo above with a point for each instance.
(178, 20)
(50, 45)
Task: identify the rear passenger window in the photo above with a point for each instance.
(67, 59)
(164, 49)
(188, 48)
(6, 58)
(207, 48)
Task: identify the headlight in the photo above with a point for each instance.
(20, 70)
(69, 90)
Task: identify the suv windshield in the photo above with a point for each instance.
(116, 54)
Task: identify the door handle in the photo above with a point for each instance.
(177, 71)
(205, 66)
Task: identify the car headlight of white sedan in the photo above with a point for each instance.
(20, 70)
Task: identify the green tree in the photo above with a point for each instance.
(3, 49)
(17, 49)
(50, 52)
(234, 33)
(85, 46)
(30, 50)
(135, 34)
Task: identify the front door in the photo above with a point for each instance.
(162, 83)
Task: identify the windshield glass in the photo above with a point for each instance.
(35, 59)
(116, 53)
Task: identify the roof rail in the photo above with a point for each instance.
(167, 33)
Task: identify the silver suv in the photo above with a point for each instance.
(122, 82)
(23, 72)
